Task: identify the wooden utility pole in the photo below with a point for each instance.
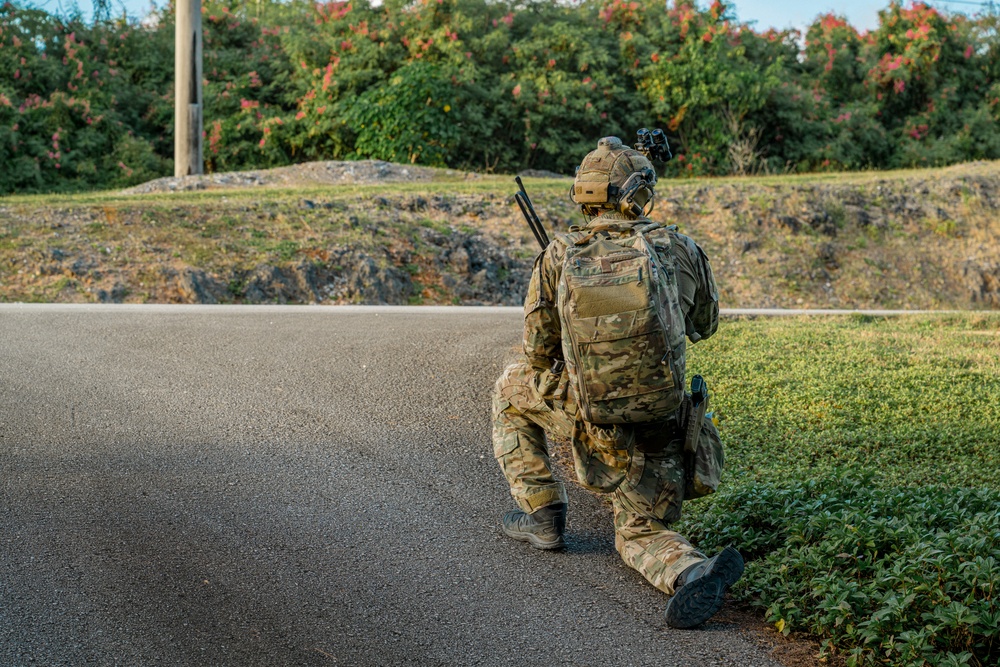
(189, 157)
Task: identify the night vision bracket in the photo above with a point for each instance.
(653, 144)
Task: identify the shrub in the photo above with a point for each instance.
(888, 576)
(527, 85)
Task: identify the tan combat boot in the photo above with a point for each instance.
(542, 529)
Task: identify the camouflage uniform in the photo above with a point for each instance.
(640, 465)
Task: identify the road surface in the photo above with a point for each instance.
(290, 486)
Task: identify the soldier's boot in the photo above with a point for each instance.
(542, 529)
(701, 588)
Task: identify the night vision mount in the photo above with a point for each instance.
(653, 144)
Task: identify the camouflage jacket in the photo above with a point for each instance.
(698, 295)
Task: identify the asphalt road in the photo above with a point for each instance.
(290, 486)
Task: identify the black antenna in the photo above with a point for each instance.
(528, 211)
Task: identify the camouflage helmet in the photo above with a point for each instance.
(614, 177)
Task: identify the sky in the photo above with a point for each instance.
(862, 14)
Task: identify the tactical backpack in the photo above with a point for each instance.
(622, 323)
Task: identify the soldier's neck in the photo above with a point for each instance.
(612, 215)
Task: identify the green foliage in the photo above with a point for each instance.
(409, 119)
(886, 575)
(76, 102)
(525, 85)
(864, 481)
(916, 399)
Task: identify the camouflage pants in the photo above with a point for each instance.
(640, 466)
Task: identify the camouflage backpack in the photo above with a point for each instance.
(622, 323)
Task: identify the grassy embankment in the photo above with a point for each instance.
(910, 239)
(864, 480)
(71, 248)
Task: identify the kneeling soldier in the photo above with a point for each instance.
(606, 314)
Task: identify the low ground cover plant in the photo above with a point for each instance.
(875, 526)
(886, 575)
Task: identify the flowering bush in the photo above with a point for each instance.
(494, 85)
(77, 103)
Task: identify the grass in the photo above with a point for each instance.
(917, 398)
(863, 478)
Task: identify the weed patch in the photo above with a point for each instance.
(885, 575)
(863, 481)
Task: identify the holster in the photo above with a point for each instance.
(693, 410)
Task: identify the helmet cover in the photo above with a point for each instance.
(604, 172)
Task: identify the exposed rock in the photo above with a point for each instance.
(828, 254)
(984, 281)
(196, 286)
(824, 223)
(83, 266)
(365, 279)
(794, 224)
(309, 173)
(269, 284)
(116, 294)
(458, 261)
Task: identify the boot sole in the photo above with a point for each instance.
(702, 599)
(535, 541)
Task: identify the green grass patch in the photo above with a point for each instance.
(863, 479)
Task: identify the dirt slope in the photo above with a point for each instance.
(379, 233)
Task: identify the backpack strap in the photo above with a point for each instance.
(648, 227)
(612, 226)
(576, 238)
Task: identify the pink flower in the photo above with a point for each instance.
(300, 115)
(517, 90)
